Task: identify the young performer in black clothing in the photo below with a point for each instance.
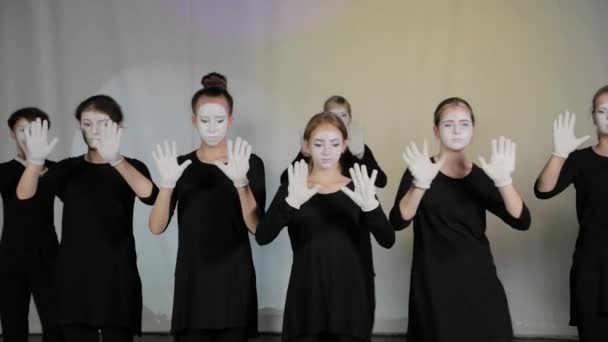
(97, 283)
(357, 151)
(455, 293)
(329, 218)
(28, 246)
(219, 193)
(586, 169)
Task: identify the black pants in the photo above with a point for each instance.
(20, 278)
(593, 327)
(84, 333)
(223, 335)
(325, 338)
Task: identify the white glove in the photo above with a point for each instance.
(502, 162)
(36, 136)
(365, 190)
(422, 168)
(298, 190)
(356, 144)
(303, 148)
(166, 162)
(109, 144)
(238, 162)
(564, 140)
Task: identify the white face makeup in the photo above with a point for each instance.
(91, 124)
(456, 129)
(342, 113)
(326, 145)
(212, 123)
(20, 127)
(601, 118)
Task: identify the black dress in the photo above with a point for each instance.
(215, 284)
(587, 171)
(455, 293)
(331, 287)
(28, 248)
(96, 280)
(348, 160)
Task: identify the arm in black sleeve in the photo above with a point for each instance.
(276, 218)
(566, 177)
(300, 156)
(395, 216)
(377, 223)
(143, 169)
(370, 162)
(494, 203)
(257, 182)
(5, 176)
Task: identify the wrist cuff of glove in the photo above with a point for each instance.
(117, 161)
(503, 182)
(421, 185)
(561, 155)
(292, 203)
(370, 206)
(167, 185)
(35, 161)
(241, 183)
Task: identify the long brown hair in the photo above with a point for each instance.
(325, 118)
(452, 102)
(321, 119)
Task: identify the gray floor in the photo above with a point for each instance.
(276, 338)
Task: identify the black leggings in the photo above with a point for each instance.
(593, 327)
(325, 338)
(18, 283)
(85, 333)
(223, 335)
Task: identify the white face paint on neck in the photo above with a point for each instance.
(600, 117)
(326, 145)
(91, 124)
(456, 130)
(212, 123)
(342, 113)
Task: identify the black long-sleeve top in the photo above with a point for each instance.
(455, 293)
(331, 287)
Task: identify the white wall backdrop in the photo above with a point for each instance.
(518, 62)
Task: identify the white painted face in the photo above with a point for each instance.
(326, 145)
(342, 113)
(91, 124)
(456, 129)
(19, 129)
(212, 123)
(600, 117)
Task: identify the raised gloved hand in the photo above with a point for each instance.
(166, 162)
(238, 162)
(502, 162)
(356, 144)
(365, 190)
(109, 144)
(564, 140)
(421, 167)
(37, 147)
(298, 191)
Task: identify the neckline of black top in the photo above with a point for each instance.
(194, 157)
(337, 191)
(456, 178)
(594, 152)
